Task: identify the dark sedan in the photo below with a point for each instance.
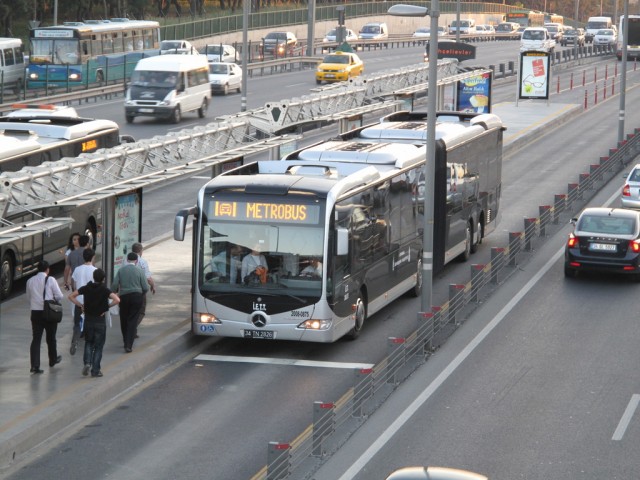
(604, 240)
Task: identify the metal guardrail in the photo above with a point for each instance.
(335, 420)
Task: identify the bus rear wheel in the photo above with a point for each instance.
(359, 317)
(416, 290)
(6, 275)
(478, 235)
(99, 77)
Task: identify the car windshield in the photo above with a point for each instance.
(276, 36)
(336, 59)
(611, 225)
(219, 69)
(370, 29)
(605, 32)
(331, 33)
(168, 45)
(570, 32)
(213, 49)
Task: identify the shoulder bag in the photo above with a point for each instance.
(52, 308)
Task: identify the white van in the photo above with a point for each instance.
(467, 26)
(167, 86)
(374, 31)
(594, 24)
(537, 39)
(12, 63)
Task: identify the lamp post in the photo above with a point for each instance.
(245, 53)
(430, 165)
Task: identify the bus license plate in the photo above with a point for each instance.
(603, 247)
(265, 334)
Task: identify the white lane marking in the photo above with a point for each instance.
(626, 417)
(281, 361)
(401, 419)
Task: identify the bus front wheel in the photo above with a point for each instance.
(359, 317)
(6, 275)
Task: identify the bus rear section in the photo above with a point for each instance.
(307, 249)
(468, 179)
(629, 28)
(12, 64)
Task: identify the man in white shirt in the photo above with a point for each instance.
(81, 275)
(252, 261)
(314, 269)
(40, 288)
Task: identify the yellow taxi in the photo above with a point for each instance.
(338, 67)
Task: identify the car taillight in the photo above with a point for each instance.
(573, 241)
(626, 191)
(635, 246)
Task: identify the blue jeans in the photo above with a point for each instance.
(95, 334)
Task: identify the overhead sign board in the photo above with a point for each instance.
(535, 75)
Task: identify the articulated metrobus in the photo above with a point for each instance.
(29, 137)
(306, 248)
(93, 51)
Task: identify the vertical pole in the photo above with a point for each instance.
(311, 27)
(245, 54)
(623, 78)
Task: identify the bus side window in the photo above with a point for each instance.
(85, 47)
(8, 57)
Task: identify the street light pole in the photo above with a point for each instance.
(245, 53)
(430, 165)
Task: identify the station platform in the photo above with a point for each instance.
(35, 407)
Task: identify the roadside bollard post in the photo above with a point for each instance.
(573, 192)
(544, 212)
(456, 297)
(424, 334)
(584, 182)
(362, 390)
(529, 231)
(605, 164)
(477, 280)
(497, 262)
(594, 171)
(515, 238)
(559, 201)
(396, 357)
(323, 425)
(278, 461)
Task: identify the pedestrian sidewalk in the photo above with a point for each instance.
(35, 407)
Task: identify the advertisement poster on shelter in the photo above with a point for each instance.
(127, 224)
(534, 75)
(474, 94)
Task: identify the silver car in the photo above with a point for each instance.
(630, 197)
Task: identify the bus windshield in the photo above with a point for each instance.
(58, 52)
(258, 246)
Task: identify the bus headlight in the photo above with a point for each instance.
(74, 76)
(33, 76)
(315, 324)
(206, 318)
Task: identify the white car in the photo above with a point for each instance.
(177, 46)
(485, 29)
(224, 76)
(220, 53)
(331, 36)
(605, 37)
(425, 32)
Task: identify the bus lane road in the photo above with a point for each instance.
(540, 383)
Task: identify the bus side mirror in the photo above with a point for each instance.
(180, 222)
(342, 243)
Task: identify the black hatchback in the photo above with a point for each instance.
(605, 240)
